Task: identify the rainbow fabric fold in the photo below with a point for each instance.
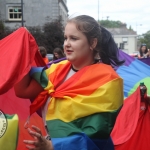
(88, 102)
(133, 72)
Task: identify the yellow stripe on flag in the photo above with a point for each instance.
(106, 98)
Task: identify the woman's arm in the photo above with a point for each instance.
(27, 88)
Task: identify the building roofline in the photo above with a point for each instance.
(124, 35)
(65, 6)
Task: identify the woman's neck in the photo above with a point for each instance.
(78, 66)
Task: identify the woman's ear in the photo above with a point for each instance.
(93, 43)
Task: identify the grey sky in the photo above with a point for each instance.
(132, 12)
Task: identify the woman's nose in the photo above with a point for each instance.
(67, 42)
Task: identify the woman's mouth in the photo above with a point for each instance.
(69, 51)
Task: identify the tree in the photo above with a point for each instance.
(54, 36)
(1, 29)
(50, 36)
(146, 38)
(4, 31)
(130, 28)
(111, 23)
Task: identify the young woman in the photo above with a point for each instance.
(57, 54)
(143, 52)
(80, 96)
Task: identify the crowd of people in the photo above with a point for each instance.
(57, 54)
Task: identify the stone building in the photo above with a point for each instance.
(35, 12)
(125, 39)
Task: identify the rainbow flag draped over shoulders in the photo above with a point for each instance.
(84, 107)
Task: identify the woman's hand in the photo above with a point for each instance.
(40, 143)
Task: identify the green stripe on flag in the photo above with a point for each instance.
(95, 126)
(41, 78)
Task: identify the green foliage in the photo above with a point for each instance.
(50, 36)
(130, 28)
(54, 36)
(146, 39)
(2, 29)
(110, 23)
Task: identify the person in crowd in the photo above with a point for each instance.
(80, 97)
(43, 53)
(58, 53)
(143, 51)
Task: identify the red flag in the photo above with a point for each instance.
(18, 52)
(131, 129)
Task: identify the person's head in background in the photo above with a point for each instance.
(85, 39)
(58, 53)
(43, 53)
(143, 50)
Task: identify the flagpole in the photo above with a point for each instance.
(22, 13)
(98, 10)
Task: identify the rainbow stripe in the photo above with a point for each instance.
(85, 104)
(133, 72)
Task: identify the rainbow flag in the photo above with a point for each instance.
(83, 108)
(133, 72)
(9, 132)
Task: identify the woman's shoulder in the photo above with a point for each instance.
(108, 69)
(54, 66)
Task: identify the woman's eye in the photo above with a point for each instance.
(73, 38)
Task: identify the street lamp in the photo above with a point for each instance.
(98, 10)
(107, 17)
(22, 13)
(137, 27)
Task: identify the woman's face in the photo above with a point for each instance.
(56, 55)
(76, 45)
(143, 48)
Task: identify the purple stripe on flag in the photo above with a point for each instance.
(55, 61)
(145, 60)
(123, 56)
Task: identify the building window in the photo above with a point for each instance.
(14, 13)
(125, 40)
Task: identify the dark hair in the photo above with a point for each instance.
(59, 52)
(146, 51)
(43, 51)
(106, 47)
